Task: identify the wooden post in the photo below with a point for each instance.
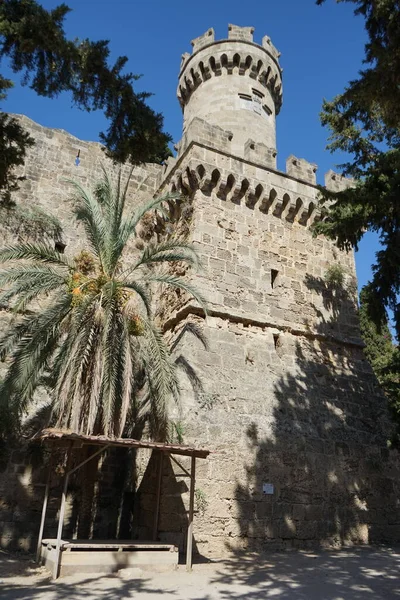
(62, 513)
(158, 496)
(60, 527)
(189, 544)
(44, 510)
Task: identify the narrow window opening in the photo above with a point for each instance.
(60, 247)
(274, 276)
(276, 340)
(257, 93)
(245, 97)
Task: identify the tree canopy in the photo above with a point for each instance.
(364, 122)
(34, 42)
(383, 356)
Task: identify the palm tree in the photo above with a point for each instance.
(85, 324)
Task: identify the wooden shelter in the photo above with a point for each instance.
(119, 553)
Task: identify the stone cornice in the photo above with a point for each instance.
(190, 309)
(296, 201)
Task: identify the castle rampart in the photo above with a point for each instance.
(282, 394)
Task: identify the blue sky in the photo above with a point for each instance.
(322, 49)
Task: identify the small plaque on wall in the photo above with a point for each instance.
(268, 488)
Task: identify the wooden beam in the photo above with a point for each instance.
(158, 495)
(186, 472)
(61, 519)
(189, 544)
(44, 510)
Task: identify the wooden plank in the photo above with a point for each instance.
(95, 544)
(44, 510)
(61, 516)
(119, 559)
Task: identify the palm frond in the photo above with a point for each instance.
(29, 282)
(88, 211)
(181, 284)
(170, 251)
(160, 372)
(24, 296)
(141, 291)
(32, 353)
(128, 227)
(112, 383)
(39, 252)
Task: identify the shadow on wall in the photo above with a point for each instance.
(22, 484)
(335, 482)
(173, 517)
(99, 502)
(339, 299)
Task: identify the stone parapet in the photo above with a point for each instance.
(335, 182)
(301, 169)
(242, 182)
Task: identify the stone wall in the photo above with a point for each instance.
(281, 393)
(49, 163)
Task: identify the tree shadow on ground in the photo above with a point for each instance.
(345, 575)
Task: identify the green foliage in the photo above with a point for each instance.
(34, 41)
(201, 500)
(335, 276)
(365, 122)
(382, 354)
(14, 142)
(93, 341)
(176, 432)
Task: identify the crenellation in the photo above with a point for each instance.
(240, 33)
(335, 182)
(185, 58)
(260, 154)
(203, 40)
(268, 45)
(301, 169)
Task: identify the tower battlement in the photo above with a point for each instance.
(248, 103)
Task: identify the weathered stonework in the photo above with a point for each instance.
(283, 394)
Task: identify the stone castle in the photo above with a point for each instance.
(282, 394)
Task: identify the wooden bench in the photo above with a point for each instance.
(104, 556)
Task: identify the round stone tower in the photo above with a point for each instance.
(234, 84)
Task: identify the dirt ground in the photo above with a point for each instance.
(367, 573)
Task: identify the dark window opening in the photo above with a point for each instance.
(276, 340)
(274, 275)
(60, 247)
(257, 93)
